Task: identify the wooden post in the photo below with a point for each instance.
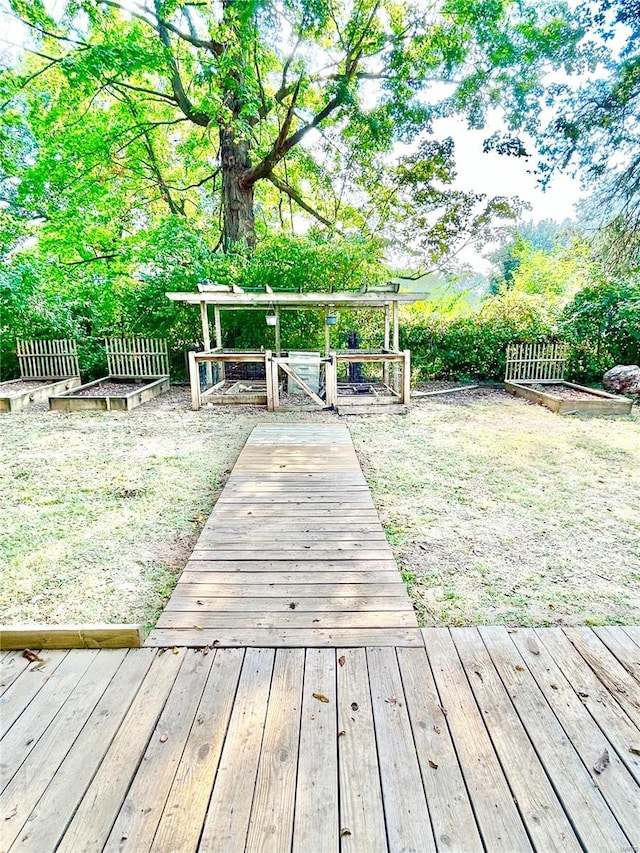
(396, 344)
(218, 328)
(405, 396)
(206, 339)
(277, 313)
(194, 379)
(274, 384)
(385, 345)
(268, 374)
(326, 333)
(331, 380)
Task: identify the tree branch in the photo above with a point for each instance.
(293, 194)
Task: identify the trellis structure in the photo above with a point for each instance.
(138, 357)
(47, 359)
(279, 363)
(543, 362)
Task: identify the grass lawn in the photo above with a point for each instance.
(498, 510)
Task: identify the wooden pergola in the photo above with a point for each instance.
(387, 299)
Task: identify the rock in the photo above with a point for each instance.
(622, 379)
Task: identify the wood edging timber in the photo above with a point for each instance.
(70, 637)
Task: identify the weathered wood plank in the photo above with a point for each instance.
(590, 816)
(24, 734)
(596, 698)
(31, 780)
(229, 809)
(293, 591)
(71, 637)
(291, 619)
(335, 552)
(405, 805)
(333, 577)
(633, 631)
(361, 807)
(316, 809)
(12, 665)
(609, 671)
(498, 819)
(327, 604)
(47, 823)
(622, 646)
(180, 826)
(92, 822)
(271, 821)
(310, 566)
(454, 825)
(616, 785)
(19, 694)
(285, 637)
(544, 817)
(142, 808)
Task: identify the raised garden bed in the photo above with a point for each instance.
(110, 394)
(17, 394)
(566, 398)
(249, 392)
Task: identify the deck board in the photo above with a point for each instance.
(295, 520)
(459, 745)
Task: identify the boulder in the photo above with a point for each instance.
(622, 379)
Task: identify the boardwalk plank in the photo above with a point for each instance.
(609, 671)
(92, 822)
(601, 704)
(316, 809)
(617, 785)
(180, 826)
(622, 646)
(12, 665)
(633, 631)
(243, 578)
(286, 620)
(142, 808)
(328, 603)
(500, 824)
(227, 820)
(271, 822)
(361, 807)
(23, 736)
(22, 690)
(591, 818)
(454, 825)
(543, 815)
(47, 823)
(292, 591)
(285, 637)
(405, 805)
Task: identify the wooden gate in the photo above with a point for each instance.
(273, 379)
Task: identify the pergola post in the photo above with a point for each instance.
(326, 333)
(385, 345)
(206, 338)
(396, 340)
(277, 313)
(194, 381)
(218, 327)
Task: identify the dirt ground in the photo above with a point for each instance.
(498, 510)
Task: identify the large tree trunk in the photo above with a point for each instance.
(237, 198)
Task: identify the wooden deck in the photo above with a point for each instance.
(483, 739)
(293, 554)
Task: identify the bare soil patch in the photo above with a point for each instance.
(109, 389)
(565, 392)
(21, 385)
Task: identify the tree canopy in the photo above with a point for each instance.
(239, 115)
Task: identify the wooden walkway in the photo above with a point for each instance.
(483, 739)
(293, 554)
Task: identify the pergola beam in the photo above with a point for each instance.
(344, 299)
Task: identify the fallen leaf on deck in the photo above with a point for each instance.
(341, 734)
(175, 650)
(519, 668)
(553, 686)
(479, 674)
(198, 627)
(436, 729)
(199, 602)
(354, 706)
(31, 656)
(215, 643)
(391, 700)
(344, 832)
(164, 737)
(315, 620)
(342, 660)
(582, 694)
(320, 697)
(635, 749)
(602, 762)
(433, 765)
(532, 646)
(293, 605)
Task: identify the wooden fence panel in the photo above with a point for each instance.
(543, 362)
(47, 359)
(137, 357)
